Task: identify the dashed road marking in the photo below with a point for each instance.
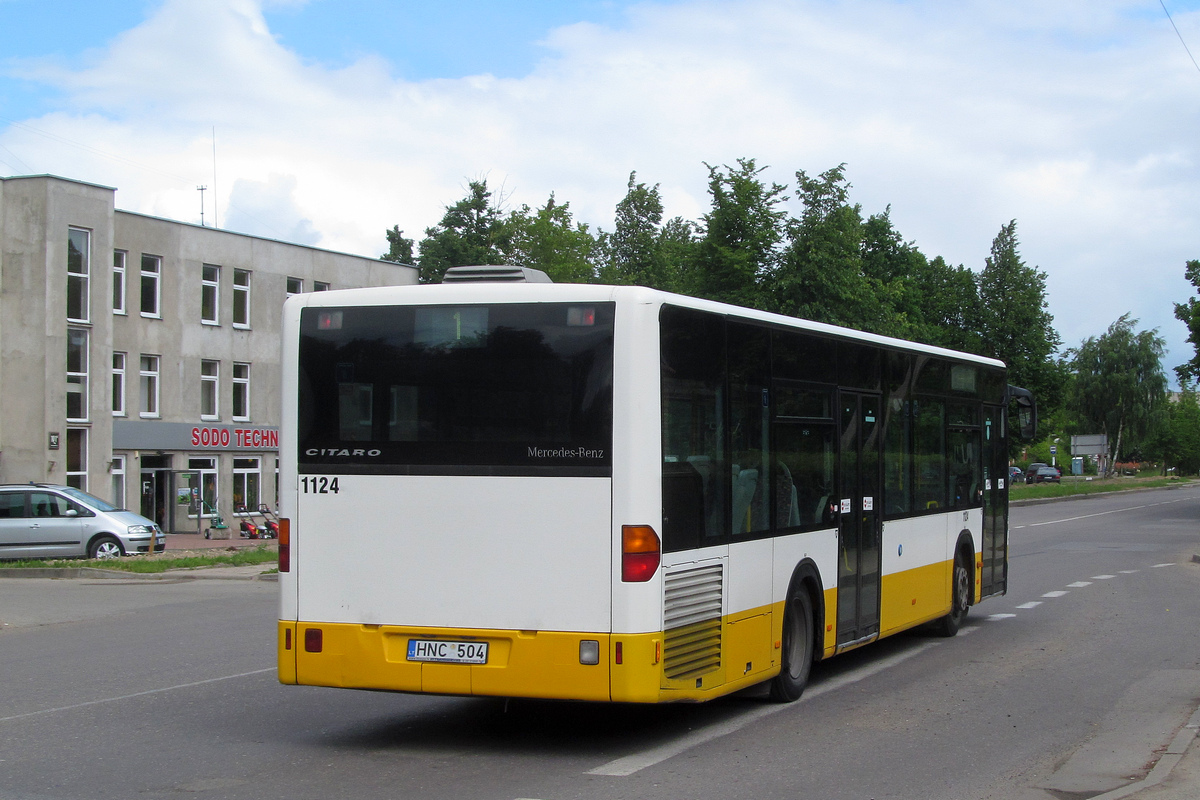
(1031, 604)
(1102, 577)
(1059, 593)
(1078, 584)
(1160, 566)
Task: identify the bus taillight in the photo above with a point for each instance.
(640, 553)
(285, 544)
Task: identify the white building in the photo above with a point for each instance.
(140, 357)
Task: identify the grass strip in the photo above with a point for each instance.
(1071, 487)
(159, 563)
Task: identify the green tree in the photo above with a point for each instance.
(741, 245)
(1015, 323)
(1181, 442)
(1189, 314)
(1119, 384)
(472, 231)
(946, 301)
(822, 275)
(550, 240)
(631, 254)
(400, 249)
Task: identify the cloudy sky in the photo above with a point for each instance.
(332, 120)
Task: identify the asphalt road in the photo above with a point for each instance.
(1063, 688)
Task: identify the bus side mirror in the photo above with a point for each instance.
(1026, 412)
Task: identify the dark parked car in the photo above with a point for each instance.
(1031, 470)
(1045, 474)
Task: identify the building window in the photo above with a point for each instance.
(320, 286)
(247, 478)
(78, 257)
(241, 392)
(77, 374)
(204, 478)
(210, 285)
(148, 384)
(118, 384)
(119, 281)
(118, 482)
(210, 374)
(295, 286)
(77, 458)
(151, 273)
(241, 298)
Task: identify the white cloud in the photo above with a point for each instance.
(1077, 119)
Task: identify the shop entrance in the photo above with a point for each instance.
(156, 490)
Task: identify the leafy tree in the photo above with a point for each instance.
(631, 255)
(548, 239)
(946, 301)
(472, 231)
(400, 249)
(743, 233)
(1015, 323)
(822, 275)
(1181, 442)
(1119, 384)
(1189, 314)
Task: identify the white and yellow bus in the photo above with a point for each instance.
(619, 494)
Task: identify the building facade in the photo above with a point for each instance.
(140, 356)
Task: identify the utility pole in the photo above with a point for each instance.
(201, 190)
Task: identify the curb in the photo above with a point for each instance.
(61, 573)
(1162, 769)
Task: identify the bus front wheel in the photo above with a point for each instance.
(797, 649)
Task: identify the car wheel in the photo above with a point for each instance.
(105, 547)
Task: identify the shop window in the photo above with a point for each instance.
(247, 481)
(118, 481)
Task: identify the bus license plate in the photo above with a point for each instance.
(449, 652)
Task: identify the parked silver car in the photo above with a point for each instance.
(49, 521)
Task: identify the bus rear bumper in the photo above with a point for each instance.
(519, 663)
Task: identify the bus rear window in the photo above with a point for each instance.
(480, 389)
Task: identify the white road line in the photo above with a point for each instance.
(1130, 571)
(1103, 513)
(1032, 604)
(628, 765)
(1078, 584)
(1000, 616)
(1102, 577)
(1055, 594)
(1160, 566)
(136, 694)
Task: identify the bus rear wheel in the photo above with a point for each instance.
(797, 649)
(960, 602)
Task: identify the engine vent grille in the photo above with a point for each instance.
(693, 621)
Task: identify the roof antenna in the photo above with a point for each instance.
(201, 190)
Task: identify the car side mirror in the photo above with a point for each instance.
(72, 512)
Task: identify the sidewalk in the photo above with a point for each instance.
(1176, 775)
(196, 541)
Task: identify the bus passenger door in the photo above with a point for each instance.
(993, 579)
(859, 518)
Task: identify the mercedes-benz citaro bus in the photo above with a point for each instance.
(611, 493)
